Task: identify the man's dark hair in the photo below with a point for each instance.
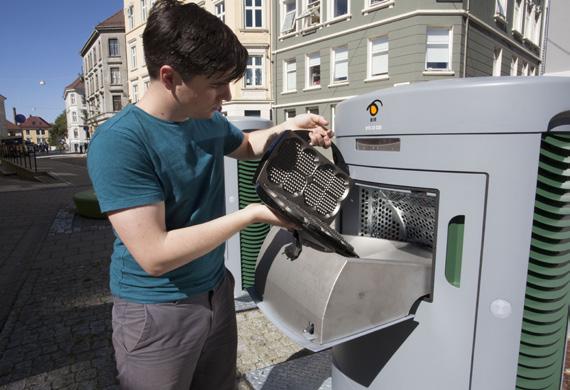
(192, 41)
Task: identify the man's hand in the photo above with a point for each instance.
(319, 134)
(263, 214)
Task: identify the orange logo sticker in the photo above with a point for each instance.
(374, 107)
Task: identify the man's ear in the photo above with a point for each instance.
(169, 77)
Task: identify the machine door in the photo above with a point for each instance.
(436, 346)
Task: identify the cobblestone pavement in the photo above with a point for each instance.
(55, 328)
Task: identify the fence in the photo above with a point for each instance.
(22, 155)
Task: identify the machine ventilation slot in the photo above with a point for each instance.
(251, 237)
(545, 318)
(398, 215)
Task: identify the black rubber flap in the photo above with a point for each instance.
(304, 187)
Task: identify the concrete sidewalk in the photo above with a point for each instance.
(55, 316)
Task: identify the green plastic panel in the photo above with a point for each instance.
(454, 255)
(545, 318)
(251, 237)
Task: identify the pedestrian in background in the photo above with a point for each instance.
(157, 170)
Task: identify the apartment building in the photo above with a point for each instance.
(251, 22)
(104, 70)
(76, 114)
(325, 51)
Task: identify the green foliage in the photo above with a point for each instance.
(59, 130)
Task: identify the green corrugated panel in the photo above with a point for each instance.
(545, 318)
(251, 237)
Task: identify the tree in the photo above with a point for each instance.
(59, 130)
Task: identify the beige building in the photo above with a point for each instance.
(104, 70)
(251, 22)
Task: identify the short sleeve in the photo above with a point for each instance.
(233, 138)
(122, 174)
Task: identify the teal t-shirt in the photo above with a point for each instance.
(136, 159)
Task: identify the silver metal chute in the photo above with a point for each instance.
(322, 298)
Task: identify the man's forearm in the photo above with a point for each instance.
(159, 251)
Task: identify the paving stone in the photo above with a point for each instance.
(60, 317)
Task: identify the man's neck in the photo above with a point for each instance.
(160, 104)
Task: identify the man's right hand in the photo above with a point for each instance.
(263, 214)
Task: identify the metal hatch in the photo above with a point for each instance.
(322, 299)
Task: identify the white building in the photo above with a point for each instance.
(75, 112)
(249, 20)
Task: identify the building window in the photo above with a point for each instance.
(518, 16)
(338, 8)
(113, 47)
(288, 13)
(497, 61)
(254, 71)
(290, 114)
(313, 70)
(339, 65)
(75, 134)
(438, 53)
(146, 84)
(313, 110)
(514, 66)
(134, 92)
(144, 10)
(73, 117)
(220, 11)
(524, 69)
(72, 98)
(532, 71)
(115, 76)
(290, 76)
(133, 50)
(131, 16)
(501, 8)
(117, 103)
(537, 23)
(253, 13)
(252, 113)
(529, 21)
(96, 81)
(311, 15)
(378, 57)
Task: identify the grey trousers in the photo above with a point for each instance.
(189, 344)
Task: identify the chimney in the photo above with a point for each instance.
(2, 108)
(14, 111)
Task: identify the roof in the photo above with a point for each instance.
(115, 21)
(35, 122)
(76, 85)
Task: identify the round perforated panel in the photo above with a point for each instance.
(396, 215)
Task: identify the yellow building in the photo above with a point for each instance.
(251, 22)
(35, 129)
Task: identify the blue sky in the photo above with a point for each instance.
(41, 40)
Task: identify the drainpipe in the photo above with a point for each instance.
(467, 17)
(544, 32)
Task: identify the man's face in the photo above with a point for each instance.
(201, 96)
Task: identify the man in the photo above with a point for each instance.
(157, 169)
